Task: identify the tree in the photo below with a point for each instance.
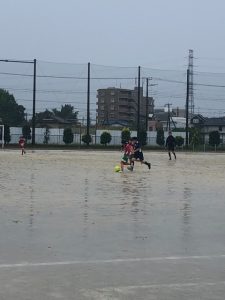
(214, 138)
(26, 132)
(179, 141)
(47, 114)
(11, 113)
(160, 139)
(125, 135)
(105, 138)
(86, 139)
(67, 136)
(67, 112)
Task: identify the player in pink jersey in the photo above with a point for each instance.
(22, 142)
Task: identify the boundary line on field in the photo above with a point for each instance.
(111, 261)
(126, 290)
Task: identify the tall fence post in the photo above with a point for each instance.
(34, 104)
(88, 103)
(139, 98)
(187, 108)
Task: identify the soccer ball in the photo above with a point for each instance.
(117, 168)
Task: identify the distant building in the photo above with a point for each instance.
(56, 122)
(175, 119)
(175, 112)
(207, 125)
(120, 106)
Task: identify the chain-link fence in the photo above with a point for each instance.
(59, 84)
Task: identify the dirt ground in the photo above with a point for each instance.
(72, 228)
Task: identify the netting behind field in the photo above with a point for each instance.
(58, 84)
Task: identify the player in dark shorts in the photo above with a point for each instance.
(138, 154)
(170, 145)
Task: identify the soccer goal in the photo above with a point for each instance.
(2, 135)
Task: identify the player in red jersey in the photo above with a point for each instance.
(22, 145)
(127, 153)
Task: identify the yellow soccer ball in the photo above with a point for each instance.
(117, 168)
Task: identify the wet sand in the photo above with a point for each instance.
(72, 228)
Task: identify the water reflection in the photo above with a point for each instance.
(31, 208)
(136, 192)
(186, 211)
(85, 208)
(171, 186)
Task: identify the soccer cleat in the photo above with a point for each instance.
(149, 166)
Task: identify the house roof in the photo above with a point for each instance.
(214, 121)
(209, 121)
(55, 119)
(116, 122)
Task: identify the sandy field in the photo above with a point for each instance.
(72, 228)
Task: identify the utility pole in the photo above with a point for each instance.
(147, 100)
(191, 81)
(34, 104)
(88, 103)
(146, 116)
(139, 97)
(187, 109)
(168, 116)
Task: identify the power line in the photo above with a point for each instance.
(66, 77)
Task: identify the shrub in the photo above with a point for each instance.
(125, 135)
(67, 136)
(195, 137)
(105, 138)
(179, 141)
(26, 132)
(7, 136)
(214, 138)
(160, 139)
(143, 137)
(86, 138)
(46, 136)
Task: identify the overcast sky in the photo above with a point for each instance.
(149, 33)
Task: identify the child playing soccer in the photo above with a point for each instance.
(127, 153)
(138, 154)
(22, 145)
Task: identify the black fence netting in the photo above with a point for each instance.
(60, 84)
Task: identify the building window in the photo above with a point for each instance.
(112, 93)
(112, 100)
(102, 100)
(195, 121)
(102, 107)
(112, 107)
(220, 128)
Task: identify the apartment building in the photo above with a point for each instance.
(120, 106)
